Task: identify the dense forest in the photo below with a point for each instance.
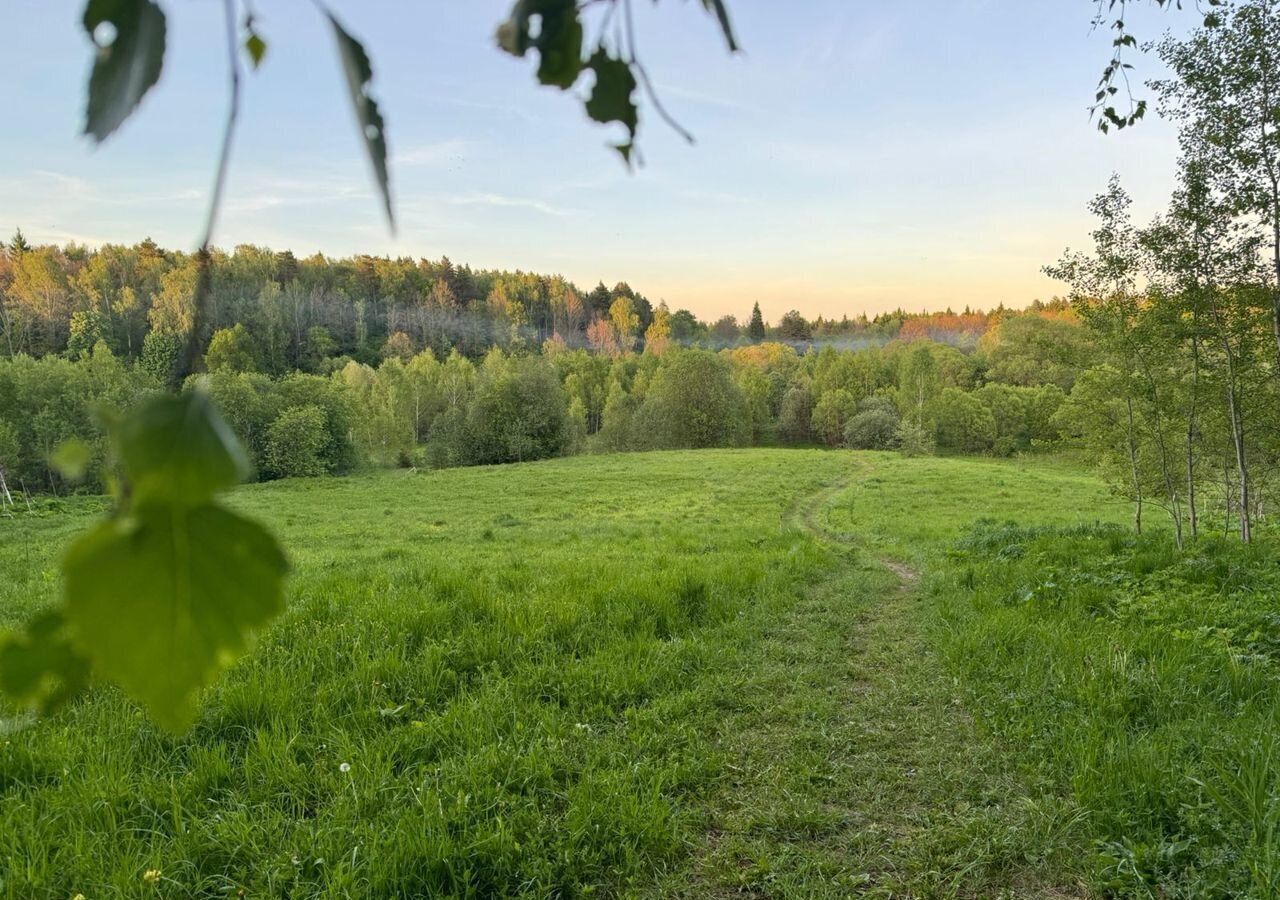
(436, 364)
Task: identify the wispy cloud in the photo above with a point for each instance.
(263, 193)
(434, 153)
(506, 110)
(508, 202)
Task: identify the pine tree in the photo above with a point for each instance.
(755, 331)
(18, 245)
(286, 267)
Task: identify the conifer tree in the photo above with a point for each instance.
(755, 331)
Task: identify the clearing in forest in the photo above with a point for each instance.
(700, 673)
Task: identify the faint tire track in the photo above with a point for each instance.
(805, 514)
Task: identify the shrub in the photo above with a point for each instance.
(296, 442)
(874, 427)
(912, 440)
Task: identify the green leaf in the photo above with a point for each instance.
(355, 65)
(558, 41)
(40, 667)
(178, 450)
(722, 16)
(611, 97)
(70, 458)
(164, 598)
(256, 47)
(560, 48)
(130, 37)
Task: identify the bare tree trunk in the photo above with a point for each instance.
(1192, 521)
(1242, 470)
(1170, 486)
(8, 329)
(1133, 468)
(1275, 259)
(1274, 177)
(1228, 491)
(1236, 418)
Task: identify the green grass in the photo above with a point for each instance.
(490, 681)
(1141, 683)
(682, 674)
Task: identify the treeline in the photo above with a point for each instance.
(315, 314)
(919, 396)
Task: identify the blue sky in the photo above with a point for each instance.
(855, 157)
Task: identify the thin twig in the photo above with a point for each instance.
(204, 257)
(644, 79)
(233, 116)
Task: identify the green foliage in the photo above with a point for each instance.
(161, 354)
(617, 421)
(1010, 413)
(1152, 699)
(9, 448)
(692, 402)
(1111, 14)
(831, 413)
(129, 36)
(793, 327)
(231, 350)
(296, 442)
(50, 400)
(755, 328)
(918, 383)
(795, 416)
(161, 598)
(419, 651)
(912, 439)
(85, 330)
(165, 592)
(17, 245)
(517, 412)
(318, 347)
(40, 668)
(359, 75)
(177, 450)
(554, 29)
(575, 439)
(757, 400)
(1034, 350)
(963, 423)
(874, 426)
(611, 96)
(254, 46)
(558, 38)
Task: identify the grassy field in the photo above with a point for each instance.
(723, 673)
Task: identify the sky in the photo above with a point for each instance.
(855, 157)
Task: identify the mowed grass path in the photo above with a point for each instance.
(682, 673)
